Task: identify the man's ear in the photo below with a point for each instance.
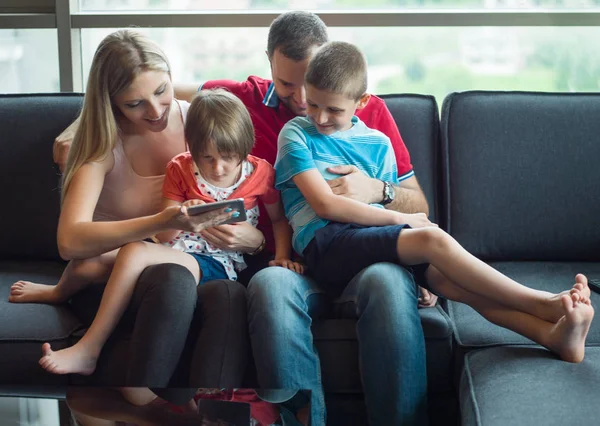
(363, 101)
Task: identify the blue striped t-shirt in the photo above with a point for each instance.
(301, 147)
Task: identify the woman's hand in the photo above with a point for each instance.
(240, 236)
(179, 219)
(288, 264)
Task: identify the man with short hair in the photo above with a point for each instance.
(281, 303)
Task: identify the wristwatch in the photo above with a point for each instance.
(388, 193)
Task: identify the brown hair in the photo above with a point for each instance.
(119, 59)
(338, 67)
(217, 116)
(295, 33)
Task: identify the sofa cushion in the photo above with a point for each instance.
(527, 386)
(521, 174)
(24, 327)
(337, 345)
(418, 120)
(30, 189)
(471, 330)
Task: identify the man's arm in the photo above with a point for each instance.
(409, 197)
(185, 92)
(62, 145)
(356, 185)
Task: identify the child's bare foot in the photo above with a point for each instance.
(567, 337)
(581, 286)
(70, 360)
(28, 292)
(555, 310)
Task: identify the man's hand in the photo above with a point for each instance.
(427, 298)
(355, 184)
(288, 264)
(60, 152)
(62, 145)
(240, 236)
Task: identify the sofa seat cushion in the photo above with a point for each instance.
(24, 327)
(473, 331)
(337, 345)
(528, 386)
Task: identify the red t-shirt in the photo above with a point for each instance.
(269, 116)
(180, 183)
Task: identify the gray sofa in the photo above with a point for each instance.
(512, 176)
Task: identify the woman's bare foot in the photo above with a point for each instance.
(70, 360)
(567, 337)
(28, 292)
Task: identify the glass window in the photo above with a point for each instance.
(433, 61)
(28, 61)
(198, 5)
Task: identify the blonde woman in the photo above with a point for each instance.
(128, 130)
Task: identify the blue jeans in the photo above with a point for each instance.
(383, 297)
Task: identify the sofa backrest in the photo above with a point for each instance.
(30, 181)
(417, 118)
(521, 174)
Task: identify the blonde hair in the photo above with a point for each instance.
(338, 67)
(119, 59)
(217, 116)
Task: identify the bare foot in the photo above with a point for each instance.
(567, 337)
(28, 292)
(70, 360)
(581, 286)
(554, 310)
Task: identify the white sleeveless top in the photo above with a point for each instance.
(127, 195)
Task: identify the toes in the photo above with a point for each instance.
(567, 302)
(576, 297)
(580, 278)
(46, 349)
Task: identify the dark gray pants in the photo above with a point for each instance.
(173, 333)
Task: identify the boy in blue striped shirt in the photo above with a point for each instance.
(339, 236)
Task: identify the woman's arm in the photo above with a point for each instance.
(169, 234)
(79, 237)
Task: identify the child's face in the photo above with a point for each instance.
(222, 170)
(329, 112)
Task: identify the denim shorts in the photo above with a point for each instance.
(210, 268)
(339, 251)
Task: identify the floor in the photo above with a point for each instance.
(29, 412)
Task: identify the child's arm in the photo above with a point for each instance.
(337, 208)
(282, 233)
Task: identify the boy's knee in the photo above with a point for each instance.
(432, 238)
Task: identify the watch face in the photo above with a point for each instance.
(389, 193)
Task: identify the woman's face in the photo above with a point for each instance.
(146, 103)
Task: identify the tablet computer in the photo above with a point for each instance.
(236, 204)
